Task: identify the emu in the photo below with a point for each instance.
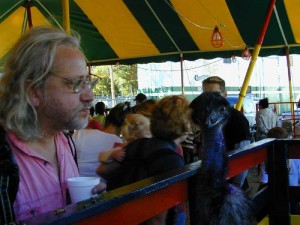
(215, 201)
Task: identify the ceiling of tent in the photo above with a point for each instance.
(140, 31)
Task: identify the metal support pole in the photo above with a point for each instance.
(288, 62)
(181, 71)
(28, 10)
(66, 16)
(112, 85)
(254, 56)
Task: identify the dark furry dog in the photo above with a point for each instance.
(215, 202)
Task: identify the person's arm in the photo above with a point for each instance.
(110, 160)
(242, 144)
(110, 155)
(106, 168)
(100, 188)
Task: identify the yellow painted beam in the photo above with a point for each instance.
(66, 16)
(248, 77)
(255, 55)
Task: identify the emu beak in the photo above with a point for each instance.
(214, 118)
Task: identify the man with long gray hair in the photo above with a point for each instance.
(45, 89)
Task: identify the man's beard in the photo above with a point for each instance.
(76, 125)
(74, 121)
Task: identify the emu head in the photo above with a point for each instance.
(210, 110)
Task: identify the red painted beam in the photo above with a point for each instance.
(136, 210)
(243, 162)
(141, 209)
(28, 11)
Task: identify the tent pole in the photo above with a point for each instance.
(28, 10)
(181, 71)
(287, 53)
(89, 68)
(112, 85)
(66, 15)
(255, 55)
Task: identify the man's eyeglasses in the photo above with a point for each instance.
(89, 80)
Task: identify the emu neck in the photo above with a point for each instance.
(214, 160)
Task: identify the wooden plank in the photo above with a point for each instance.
(247, 157)
(278, 200)
(139, 201)
(141, 209)
(294, 149)
(166, 190)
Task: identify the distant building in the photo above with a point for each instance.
(269, 78)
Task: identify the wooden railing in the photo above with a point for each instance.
(142, 200)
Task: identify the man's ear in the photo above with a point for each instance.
(33, 94)
(225, 94)
(34, 97)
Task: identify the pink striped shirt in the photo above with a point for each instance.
(40, 189)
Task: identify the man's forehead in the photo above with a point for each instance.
(65, 55)
(212, 87)
(69, 59)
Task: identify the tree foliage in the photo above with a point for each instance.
(124, 78)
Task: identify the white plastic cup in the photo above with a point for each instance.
(80, 188)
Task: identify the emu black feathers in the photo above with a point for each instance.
(214, 200)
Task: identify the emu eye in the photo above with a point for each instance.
(223, 109)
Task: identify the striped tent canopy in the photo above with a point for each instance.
(140, 31)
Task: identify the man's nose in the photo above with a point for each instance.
(87, 94)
